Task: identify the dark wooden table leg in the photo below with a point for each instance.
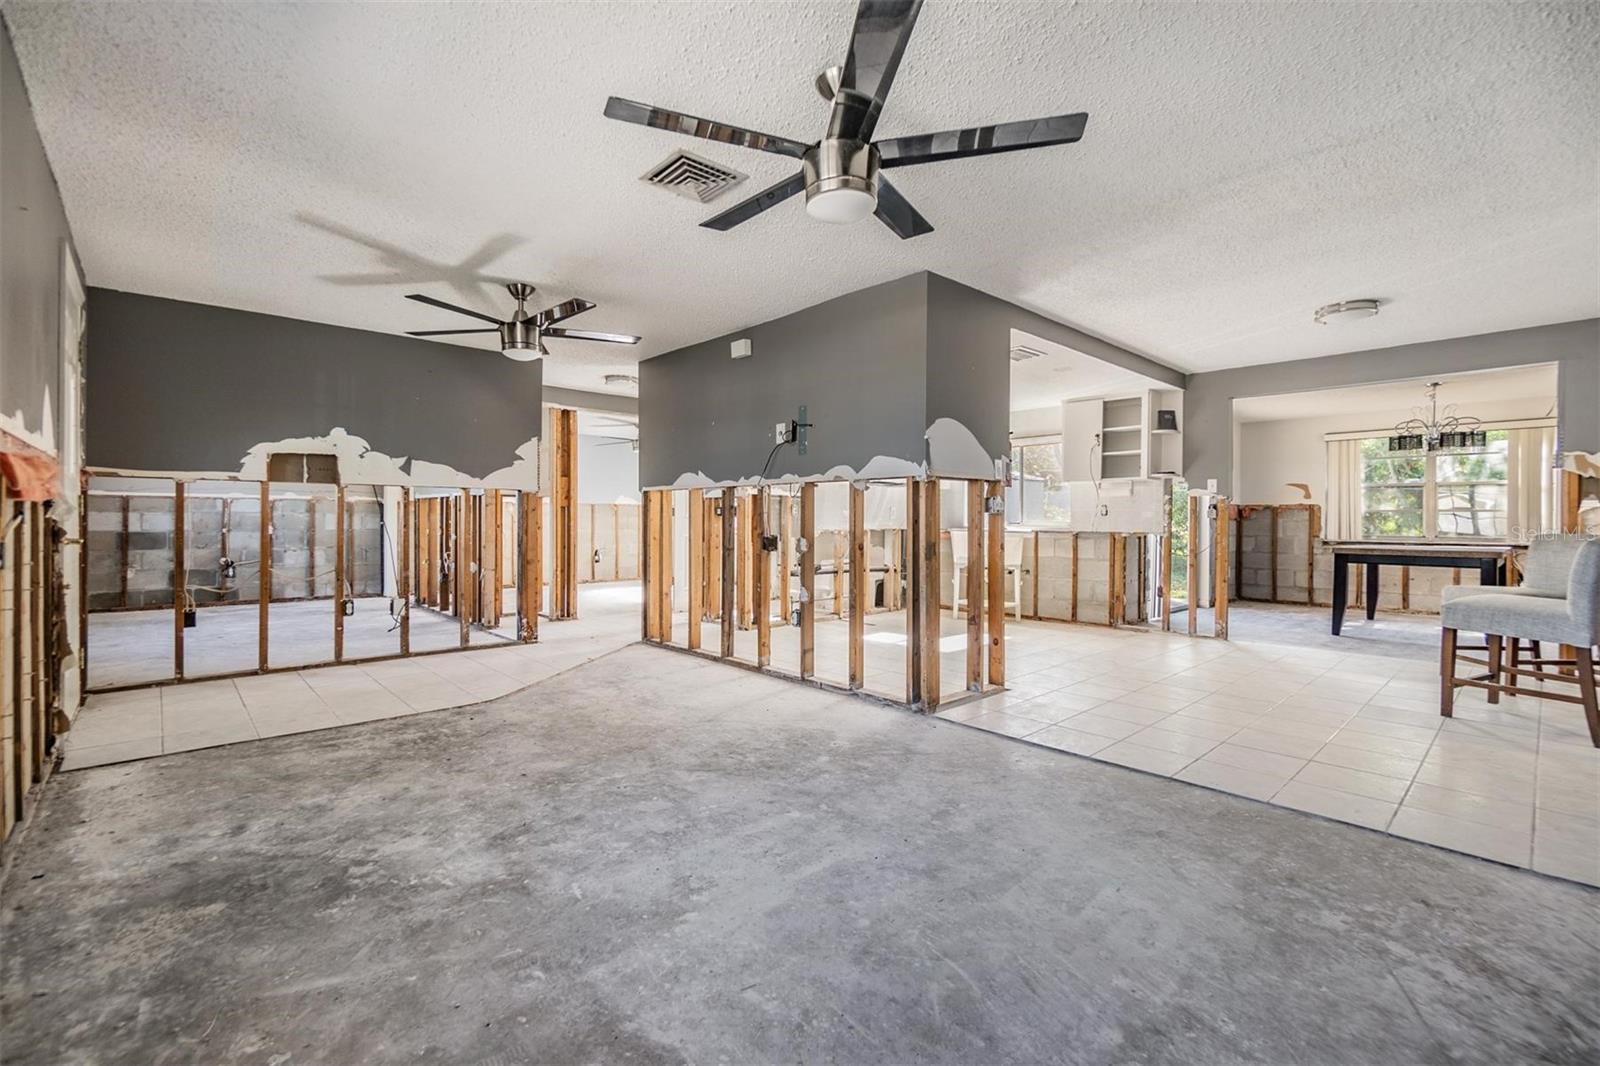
(1341, 590)
(1489, 572)
(1372, 590)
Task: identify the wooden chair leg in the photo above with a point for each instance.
(1586, 686)
(1536, 650)
(1494, 666)
(1447, 672)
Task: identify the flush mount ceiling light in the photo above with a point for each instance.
(621, 379)
(1344, 311)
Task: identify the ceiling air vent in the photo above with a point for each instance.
(692, 176)
(1022, 352)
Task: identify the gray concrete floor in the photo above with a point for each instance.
(656, 858)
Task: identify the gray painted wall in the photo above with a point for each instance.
(856, 362)
(875, 369)
(1573, 346)
(33, 231)
(176, 386)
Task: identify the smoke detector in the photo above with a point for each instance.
(1344, 311)
(620, 380)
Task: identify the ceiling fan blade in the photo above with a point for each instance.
(588, 335)
(450, 307)
(876, 44)
(896, 212)
(678, 122)
(445, 332)
(748, 209)
(981, 140)
(565, 309)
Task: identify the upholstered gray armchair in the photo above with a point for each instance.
(1524, 614)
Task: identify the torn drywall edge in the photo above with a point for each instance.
(360, 464)
(43, 438)
(1585, 464)
(953, 452)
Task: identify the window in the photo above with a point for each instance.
(1451, 494)
(1037, 496)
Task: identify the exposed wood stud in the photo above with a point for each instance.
(730, 538)
(180, 578)
(1074, 601)
(1313, 534)
(458, 556)
(530, 581)
(913, 605)
(808, 580)
(1166, 565)
(1405, 588)
(402, 576)
(743, 507)
(697, 562)
(1272, 552)
(785, 555)
(995, 585)
(651, 561)
(122, 587)
(928, 577)
(976, 607)
(858, 585)
(761, 520)
(338, 573)
(264, 577)
(1192, 595)
(1219, 582)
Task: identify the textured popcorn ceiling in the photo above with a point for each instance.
(1244, 163)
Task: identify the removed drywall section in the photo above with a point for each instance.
(32, 260)
(1573, 346)
(184, 387)
(608, 470)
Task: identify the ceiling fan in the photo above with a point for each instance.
(522, 338)
(840, 173)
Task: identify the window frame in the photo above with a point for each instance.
(1019, 480)
(1430, 487)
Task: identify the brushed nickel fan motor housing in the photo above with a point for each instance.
(521, 333)
(839, 164)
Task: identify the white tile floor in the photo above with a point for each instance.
(1347, 735)
(139, 723)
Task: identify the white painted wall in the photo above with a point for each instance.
(608, 472)
(1272, 454)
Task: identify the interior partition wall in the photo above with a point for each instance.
(194, 578)
(834, 583)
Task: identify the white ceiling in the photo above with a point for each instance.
(1244, 163)
(1063, 373)
(1464, 390)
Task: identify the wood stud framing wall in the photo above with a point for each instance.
(744, 581)
(449, 551)
(29, 665)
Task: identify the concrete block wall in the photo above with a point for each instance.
(1094, 576)
(149, 547)
(1420, 591)
(150, 534)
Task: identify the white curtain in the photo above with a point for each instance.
(1531, 490)
(1341, 514)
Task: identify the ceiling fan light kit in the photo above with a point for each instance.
(522, 336)
(839, 174)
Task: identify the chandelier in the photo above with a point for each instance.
(1427, 428)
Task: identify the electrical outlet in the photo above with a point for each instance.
(783, 433)
(1104, 510)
